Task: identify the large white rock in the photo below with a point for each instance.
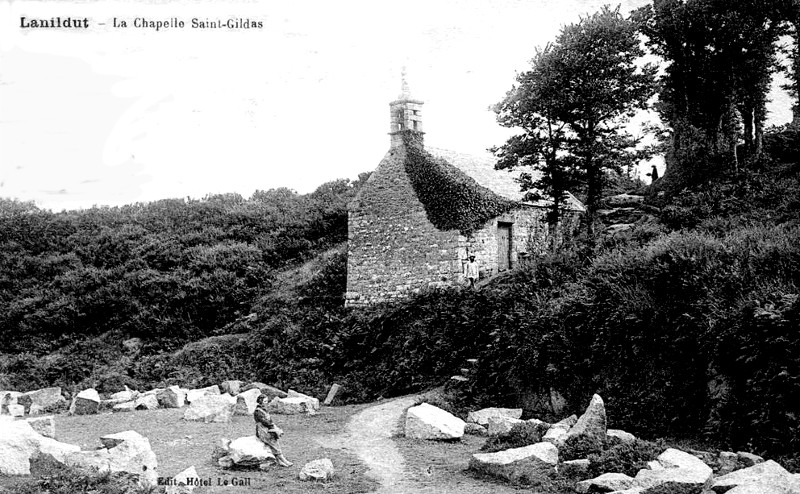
(482, 416)
(85, 403)
(766, 473)
(211, 408)
(313, 403)
(128, 406)
(19, 442)
(232, 387)
(624, 437)
(270, 391)
(172, 397)
(43, 425)
(502, 425)
(249, 451)
(317, 470)
(682, 473)
(129, 452)
(16, 410)
(426, 421)
(123, 396)
(194, 394)
(290, 406)
(555, 435)
(246, 402)
(146, 402)
(44, 398)
(517, 463)
(592, 423)
(607, 482)
(8, 398)
(183, 483)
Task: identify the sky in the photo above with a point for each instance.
(110, 115)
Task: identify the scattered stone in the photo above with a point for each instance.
(146, 402)
(266, 389)
(172, 397)
(555, 435)
(249, 452)
(592, 424)
(129, 452)
(44, 398)
(624, 437)
(183, 484)
(194, 394)
(517, 463)
(574, 468)
(502, 425)
(290, 406)
(211, 408)
(124, 407)
(607, 482)
(122, 396)
(681, 473)
(766, 473)
(246, 402)
(748, 459)
(87, 402)
(19, 442)
(233, 388)
(313, 403)
(675, 458)
(317, 470)
(426, 421)
(475, 429)
(331, 394)
(16, 410)
(482, 416)
(566, 423)
(45, 426)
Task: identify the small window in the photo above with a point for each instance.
(414, 112)
(416, 125)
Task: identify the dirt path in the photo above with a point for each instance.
(369, 435)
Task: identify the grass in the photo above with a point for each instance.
(179, 444)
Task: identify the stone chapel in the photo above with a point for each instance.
(394, 249)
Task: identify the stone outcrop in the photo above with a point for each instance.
(246, 402)
(19, 443)
(45, 398)
(517, 464)
(146, 402)
(211, 408)
(194, 394)
(86, 402)
(682, 473)
(592, 424)
(501, 425)
(482, 416)
(321, 470)
(426, 421)
(768, 473)
(129, 452)
(172, 397)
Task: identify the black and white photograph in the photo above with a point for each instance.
(400, 247)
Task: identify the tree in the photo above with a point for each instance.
(572, 107)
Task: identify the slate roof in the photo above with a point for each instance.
(501, 182)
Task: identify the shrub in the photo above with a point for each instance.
(520, 435)
(627, 458)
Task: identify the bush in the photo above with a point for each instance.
(627, 458)
(519, 436)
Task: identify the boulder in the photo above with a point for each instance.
(426, 421)
(574, 468)
(45, 398)
(313, 403)
(517, 463)
(37, 410)
(249, 451)
(317, 470)
(128, 406)
(760, 489)
(675, 458)
(146, 402)
(19, 443)
(681, 473)
(475, 429)
(246, 402)
(45, 426)
(331, 394)
(607, 482)
(172, 397)
(194, 394)
(87, 402)
(123, 396)
(270, 391)
(290, 406)
(502, 425)
(16, 410)
(622, 436)
(129, 452)
(766, 473)
(482, 416)
(566, 423)
(748, 459)
(183, 483)
(8, 398)
(728, 462)
(592, 424)
(211, 408)
(555, 435)
(233, 387)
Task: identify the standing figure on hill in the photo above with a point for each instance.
(471, 271)
(268, 432)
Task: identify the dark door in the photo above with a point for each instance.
(503, 246)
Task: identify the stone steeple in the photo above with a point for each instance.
(405, 113)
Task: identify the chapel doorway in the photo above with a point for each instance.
(503, 246)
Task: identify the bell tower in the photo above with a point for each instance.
(405, 113)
